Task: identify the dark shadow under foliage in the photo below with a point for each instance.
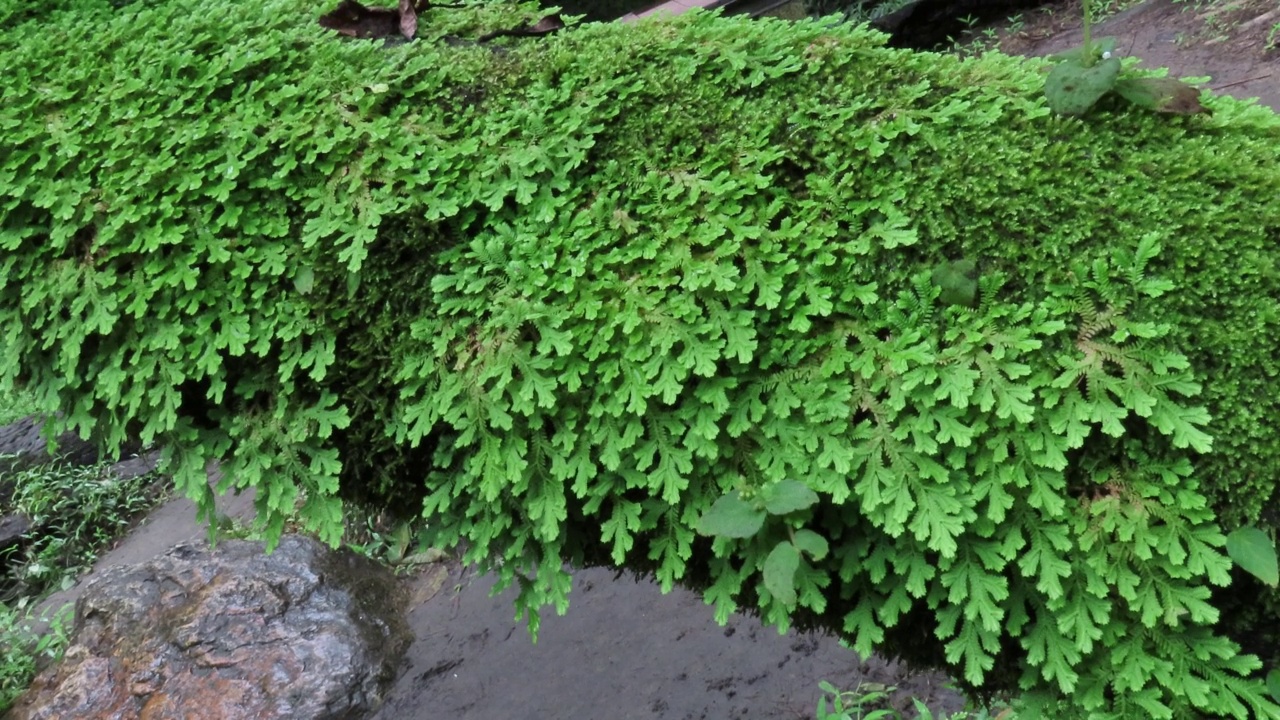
(923, 24)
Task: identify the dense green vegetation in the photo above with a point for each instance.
(75, 514)
(574, 292)
(21, 652)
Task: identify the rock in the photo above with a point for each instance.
(23, 446)
(230, 633)
(13, 531)
(23, 440)
(12, 528)
(136, 466)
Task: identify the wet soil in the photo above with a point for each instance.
(623, 651)
(1235, 43)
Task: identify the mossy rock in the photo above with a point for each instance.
(569, 294)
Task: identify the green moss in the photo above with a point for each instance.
(570, 293)
(16, 406)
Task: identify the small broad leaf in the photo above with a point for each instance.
(1273, 684)
(731, 516)
(780, 573)
(1253, 551)
(787, 496)
(1073, 87)
(1099, 46)
(812, 543)
(1161, 94)
(304, 280)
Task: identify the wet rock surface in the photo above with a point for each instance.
(12, 529)
(624, 650)
(24, 441)
(230, 632)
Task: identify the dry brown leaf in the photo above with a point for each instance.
(408, 19)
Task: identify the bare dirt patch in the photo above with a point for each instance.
(1236, 43)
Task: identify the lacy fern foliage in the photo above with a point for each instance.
(575, 294)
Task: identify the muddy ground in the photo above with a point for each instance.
(1235, 43)
(624, 651)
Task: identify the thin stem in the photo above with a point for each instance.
(1088, 43)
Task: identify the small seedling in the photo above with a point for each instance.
(22, 651)
(866, 700)
(743, 514)
(853, 704)
(75, 512)
(1085, 75)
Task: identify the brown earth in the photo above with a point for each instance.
(1235, 43)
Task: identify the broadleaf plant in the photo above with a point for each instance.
(779, 572)
(1074, 86)
(1255, 552)
(787, 496)
(732, 517)
(1084, 75)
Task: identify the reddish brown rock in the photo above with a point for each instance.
(230, 633)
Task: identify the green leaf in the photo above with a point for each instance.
(1255, 553)
(1073, 88)
(1098, 46)
(1180, 423)
(787, 496)
(780, 572)
(624, 521)
(1161, 94)
(922, 711)
(955, 384)
(732, 517)
(812, 543)
(1273, 684)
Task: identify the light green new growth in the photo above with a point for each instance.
(579, 290)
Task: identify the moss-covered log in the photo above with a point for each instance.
(570, 293)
